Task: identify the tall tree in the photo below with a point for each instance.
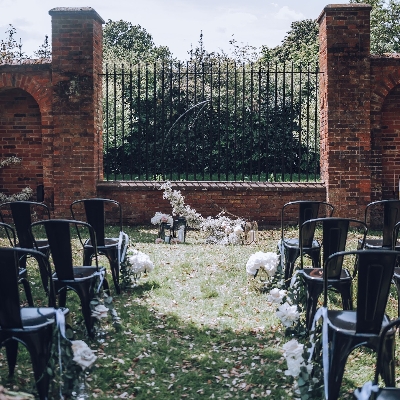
(125, 43)
(299, 46)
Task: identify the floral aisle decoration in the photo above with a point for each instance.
(304, 361)
(69, 363)
(165, 224)
(217, 230)
(133, 266)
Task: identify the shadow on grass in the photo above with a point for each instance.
(161, 356)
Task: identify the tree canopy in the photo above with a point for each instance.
(125, 43)
(299, 46)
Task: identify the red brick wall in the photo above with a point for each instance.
(261, 202)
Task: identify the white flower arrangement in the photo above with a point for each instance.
(268, 261)
(288, 314)
(218, 230)
(276, 295)
(83, 354)
(100, 311)
(293, 353)
(138, 262)
(193, 218)
(160, 217)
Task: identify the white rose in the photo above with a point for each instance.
(83, 354)
(293, 349)
(276, 295)
(100, 311)
(287, 314)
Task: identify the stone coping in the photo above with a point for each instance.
(212, 185)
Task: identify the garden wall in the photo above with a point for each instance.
(51, 117)
(259, 202)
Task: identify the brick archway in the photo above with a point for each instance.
(21, 136)
(386, 146)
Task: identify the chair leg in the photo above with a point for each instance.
(387, 369)
(28, 292)
(62, 297)
(339, 350)
(11, 353)
(87, 316)
(87, 256)
(115, 273)
(346, 293)
(39, 346)
(313, 293)
(291, 255)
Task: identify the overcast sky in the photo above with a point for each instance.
(173, 23)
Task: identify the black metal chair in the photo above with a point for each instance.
(334, 239)
(22, 214)
(83, 280)
(30, 326)
(298, 212)
(94, 212)
(383, 216)
(8, 235)
(350, 329)
(384, 347)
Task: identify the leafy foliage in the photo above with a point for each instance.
(124, 43)
(300, 46)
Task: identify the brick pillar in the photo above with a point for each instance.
(345, 106)
(77, 40)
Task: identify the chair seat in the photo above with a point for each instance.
(318, 274)
(388, 393)
(81, 273)
(345, 320)
(294, 242)
(36, 316)
(108, 242)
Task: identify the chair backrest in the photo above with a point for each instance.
(375, 271)
(95, 214)
(334, 239)
(10, 316)
(307, 210)
(59, 235)
(388, 213)
(7, 232)
(22, 214)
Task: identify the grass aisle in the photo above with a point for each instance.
(195, 328)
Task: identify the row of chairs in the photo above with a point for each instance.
(375, 265)
(93, 211)
(33, 326)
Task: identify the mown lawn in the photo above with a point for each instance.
(196, 327)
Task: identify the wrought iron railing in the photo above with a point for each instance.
(219, 122)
